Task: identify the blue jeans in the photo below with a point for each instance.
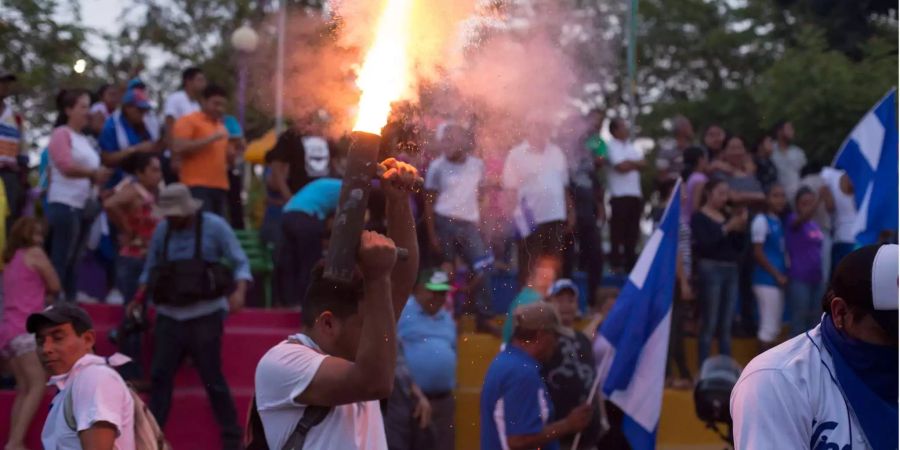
(66, 231)
(128, 271)
(719, 293)
(805, 301)
(464, 237)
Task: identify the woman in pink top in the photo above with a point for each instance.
(27, 281)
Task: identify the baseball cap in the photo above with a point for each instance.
(136, 97)
(435, 280)
(539, 316)
(58, 314)
(867, 277)
(563, 284)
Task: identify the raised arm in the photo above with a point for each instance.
(370, 376)
(400, 178)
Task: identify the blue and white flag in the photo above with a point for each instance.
(869, 156)
(633, 342)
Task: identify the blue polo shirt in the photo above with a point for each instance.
(514, 400)
(319, 198)
(429, 346)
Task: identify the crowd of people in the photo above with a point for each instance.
(761, 227)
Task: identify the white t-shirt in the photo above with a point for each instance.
(98, 395)
(179, 104)
(457, 186)
(540, 179)
(282, 374)
(787, 398)
(620, 184)
(788, 165)
(844, 219)
(73, 191)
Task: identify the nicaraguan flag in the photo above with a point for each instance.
(633, 341)
(869, 156)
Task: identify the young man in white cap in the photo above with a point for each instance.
(182, 260)
(834, 386)
(93, 408)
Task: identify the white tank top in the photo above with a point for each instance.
(73, 191)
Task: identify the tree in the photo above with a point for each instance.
(41, 50)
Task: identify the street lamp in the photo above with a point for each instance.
(244, 40)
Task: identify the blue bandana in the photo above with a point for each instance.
(867, 374)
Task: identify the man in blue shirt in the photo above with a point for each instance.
(516, 410)
(195, 329)
(428, 336)
(129, 130)
(303, 227)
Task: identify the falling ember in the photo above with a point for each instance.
(384, 76)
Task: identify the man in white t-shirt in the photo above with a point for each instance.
(345, 358)
(626, 200)
(843, 209)
(101, 404)
(537, 171)
(835, 386)
(181, 103)
(787, 158)
(452, 213)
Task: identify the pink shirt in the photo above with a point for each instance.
(23, 294)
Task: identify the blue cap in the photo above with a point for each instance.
(233, 127)
(563, 284)
(136, 97)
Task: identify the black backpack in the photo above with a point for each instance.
(187, 281)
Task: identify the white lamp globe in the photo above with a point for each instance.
(245, 39)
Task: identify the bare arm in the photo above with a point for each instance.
(577, 419)
(37, 260)
(697, 196)
(118, 204)
(760, 257)
(401, 227)
(371, 375)
(826, 198)
(278, 179)
(628, 166)
(100, 436)
(188, 146)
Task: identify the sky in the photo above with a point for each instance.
(101, 15)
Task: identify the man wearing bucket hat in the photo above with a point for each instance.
(834, 386)
(516, 411)
(192, 292)
(128, 131)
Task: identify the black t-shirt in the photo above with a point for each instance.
(308, 157)
(569, 376)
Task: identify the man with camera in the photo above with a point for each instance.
(835, 386)
(193, 291)
(320, 389)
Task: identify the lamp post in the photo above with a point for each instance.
(244, 40)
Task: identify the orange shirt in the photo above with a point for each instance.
(208, 165)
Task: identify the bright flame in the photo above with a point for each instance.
(384, 76)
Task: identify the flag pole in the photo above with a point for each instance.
(590, 399)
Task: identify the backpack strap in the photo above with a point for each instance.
(312, 416)
(165, 249)
(69, 409)
(198, 237)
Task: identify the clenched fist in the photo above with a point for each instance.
(377, 255)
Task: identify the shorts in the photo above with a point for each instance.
(18, 346)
